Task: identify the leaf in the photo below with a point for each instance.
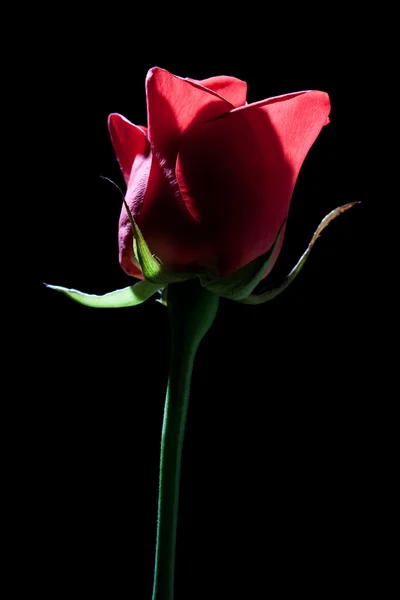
(129, 296)
(241, 283)
(270, 292)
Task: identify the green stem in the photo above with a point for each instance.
(192, 311)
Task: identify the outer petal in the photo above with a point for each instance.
(169, 229)
(232, 89)
(133, 152)
(128, 141)
(134, 197)
(175, 104)
(155, 201)
(237, 173)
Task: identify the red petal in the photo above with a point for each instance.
(237, 173)
(173, 105)
(128, 141)
(232, 89)
(169, 229)
(134, 197)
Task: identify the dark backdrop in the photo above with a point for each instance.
(273, 481)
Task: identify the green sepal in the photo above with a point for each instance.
(266, 293)
(241, 283)
(152, 268)
(129, 296)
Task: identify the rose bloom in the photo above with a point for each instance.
(209, 181)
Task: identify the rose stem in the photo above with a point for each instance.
(192, 310)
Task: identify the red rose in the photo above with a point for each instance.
(209, 183)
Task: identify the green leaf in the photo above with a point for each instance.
(241, 283)
(264, 294)
(130, 296)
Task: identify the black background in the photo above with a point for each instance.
(274, 485)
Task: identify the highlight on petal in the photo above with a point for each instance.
(237, 172)
(128, 141)
(297, 119)
(174, 104)
(232, 89)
